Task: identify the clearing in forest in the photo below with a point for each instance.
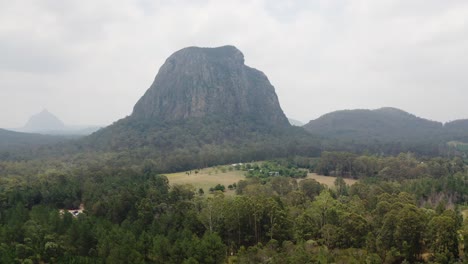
(328, 180)
(208, 177)
(227, 175)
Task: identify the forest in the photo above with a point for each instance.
(403, 209)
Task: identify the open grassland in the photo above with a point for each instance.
(208, 177)
(328, 180)
(226, 175)
(464, 211)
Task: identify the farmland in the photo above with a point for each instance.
(328, 180)
(207, 177)
(225, 175)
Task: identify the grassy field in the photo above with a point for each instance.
(465, 213)
(328, 180)
(210, 177)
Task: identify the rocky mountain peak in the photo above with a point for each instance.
(199, 82)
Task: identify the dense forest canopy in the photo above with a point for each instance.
(403, 208)
(387, 130)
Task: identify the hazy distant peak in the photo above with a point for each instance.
(43, 121)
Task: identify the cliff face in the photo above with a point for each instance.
(199, 82)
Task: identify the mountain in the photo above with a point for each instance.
(43, 122)
(386, 130)
(461, 125)
(204, 107)
(48, 124)
(201, 82)
(458, 129)
(384, 124)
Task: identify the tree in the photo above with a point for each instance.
(211, 249)
(281, 185)
(324, 203)
(341, 186)
(355, 229)
(311, 188)
(160, 251)
(443, 237)
(211, 214)
(409, 231)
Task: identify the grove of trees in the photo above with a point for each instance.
(403, 208)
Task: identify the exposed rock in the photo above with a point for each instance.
(198, 82)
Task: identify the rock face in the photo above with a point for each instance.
(199, 82)
(43, 122)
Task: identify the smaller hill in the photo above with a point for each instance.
(384, 125)
(457, 129)
(461, 124)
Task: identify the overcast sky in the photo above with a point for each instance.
(88, 62)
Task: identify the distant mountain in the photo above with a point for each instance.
(295, 122)
(384, 124)
(48, 124)
(386, 130)
(43, 122)
(204, 107)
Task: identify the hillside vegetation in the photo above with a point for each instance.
(401, 209)
(387, 130)
(11, 140)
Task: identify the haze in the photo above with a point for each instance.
(88, 62)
